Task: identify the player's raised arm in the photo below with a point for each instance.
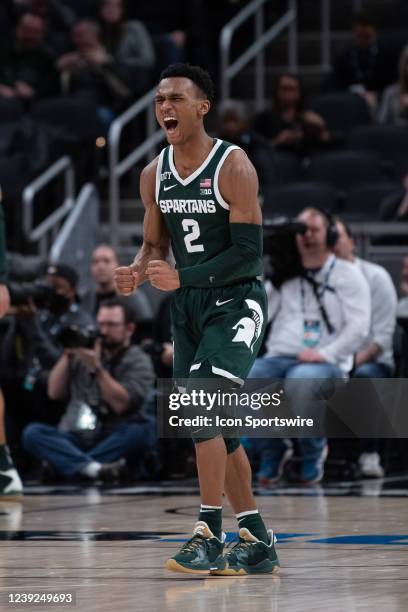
(155, 237)
(238, 184)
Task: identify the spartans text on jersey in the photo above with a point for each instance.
(187, 206)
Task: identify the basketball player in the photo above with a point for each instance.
(200, 194)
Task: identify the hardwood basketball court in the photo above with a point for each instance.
(342, 548)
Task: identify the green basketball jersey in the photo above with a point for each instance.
(195, 213)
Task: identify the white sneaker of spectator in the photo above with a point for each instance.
(370, 465)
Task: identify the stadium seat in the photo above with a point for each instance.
(389, 142)
(345, 169)
(10, 110)
(394, 40)
(286, 166)
(75, 115)
(341, 111)
(289, 200)
(364, 201)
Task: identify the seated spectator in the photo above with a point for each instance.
(129, 45)
(58, 18)
(365, 67)
(89, 71)
(32, 346)
(233, 125)
(104, 261)
(374, 359)
(394, 207)
(25, 66)
(106, 387)
(394, 103)
(290, 125)
(319, 321)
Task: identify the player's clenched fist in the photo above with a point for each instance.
(162, 276)
(126, 279)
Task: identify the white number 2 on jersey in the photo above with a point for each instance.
(191, 226)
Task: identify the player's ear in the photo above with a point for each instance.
(204, 107)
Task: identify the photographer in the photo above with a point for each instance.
(320, 319)
(31, 344)
(10, 483)
(104, 422)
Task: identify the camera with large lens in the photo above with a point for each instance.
(27, 283)
(281, 249)
(73, 337)
(41, 293)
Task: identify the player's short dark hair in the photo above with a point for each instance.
(200, 77)
(121, 302)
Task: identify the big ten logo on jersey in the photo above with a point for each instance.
(165, 176)
(205, 187)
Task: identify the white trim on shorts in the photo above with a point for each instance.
(227, 374)
(219, 372)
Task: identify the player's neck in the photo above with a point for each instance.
(190, 155)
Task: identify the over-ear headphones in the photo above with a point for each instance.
(332, 235)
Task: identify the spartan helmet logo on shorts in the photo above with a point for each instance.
(249, 328)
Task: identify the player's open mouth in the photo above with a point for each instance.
(170, 123)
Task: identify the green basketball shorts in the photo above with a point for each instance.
(223, 326)
(217, 335)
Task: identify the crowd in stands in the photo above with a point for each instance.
(345, 148)
(68, 68)
(87, 411)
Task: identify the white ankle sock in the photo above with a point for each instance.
(205, 508)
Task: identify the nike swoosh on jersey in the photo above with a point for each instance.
(169, 187)
(218, 303)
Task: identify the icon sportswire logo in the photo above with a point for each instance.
(218, 303)
(169, 187)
